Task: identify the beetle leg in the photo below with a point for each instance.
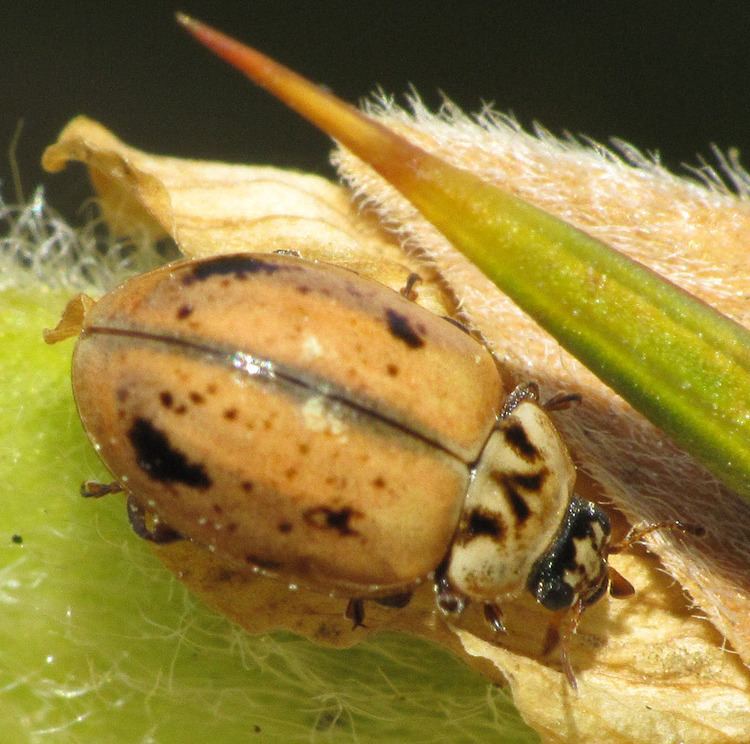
(408, 290)
(530, 391)
(559, 633)
(494, 617)
(95, 490)
(619, 586)
(148, 526)
(355, 611)
(448, 600)
(522, 392)
(562, 401)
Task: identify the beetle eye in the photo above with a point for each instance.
(553, 593)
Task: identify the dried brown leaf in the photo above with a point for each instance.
(694, 233)
(648, 669)
(210, 208)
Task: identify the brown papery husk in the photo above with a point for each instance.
(648, 668)
(694, 232)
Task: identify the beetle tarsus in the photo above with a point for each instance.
(91, 489)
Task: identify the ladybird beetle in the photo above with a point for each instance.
(299, 419)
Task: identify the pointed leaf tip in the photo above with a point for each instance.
(644, 337)
(391, 155)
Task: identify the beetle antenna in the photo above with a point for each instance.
(639, 531)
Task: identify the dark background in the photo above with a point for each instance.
(671, 78)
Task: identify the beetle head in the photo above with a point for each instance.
(574, 569)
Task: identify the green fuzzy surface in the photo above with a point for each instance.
(100, 643)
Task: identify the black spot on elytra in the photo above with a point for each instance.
(160, 461)
(483, 523)
(285, 527)
(323, 518)
(401, 328)
(392, 370)
(197, 398)
(184, 311)
(166, 398)
(230, 414)
(17, 539)
(240, 266)
(379, 482)
(515, 435)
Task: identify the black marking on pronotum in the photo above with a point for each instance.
(511, 482)
(518, 505)
(516, 437)
(156, 456)
(239, 265)
(323, 518)
(401, 328)
(507, 484)
(480, 522)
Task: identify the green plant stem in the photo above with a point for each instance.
(683, 365)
